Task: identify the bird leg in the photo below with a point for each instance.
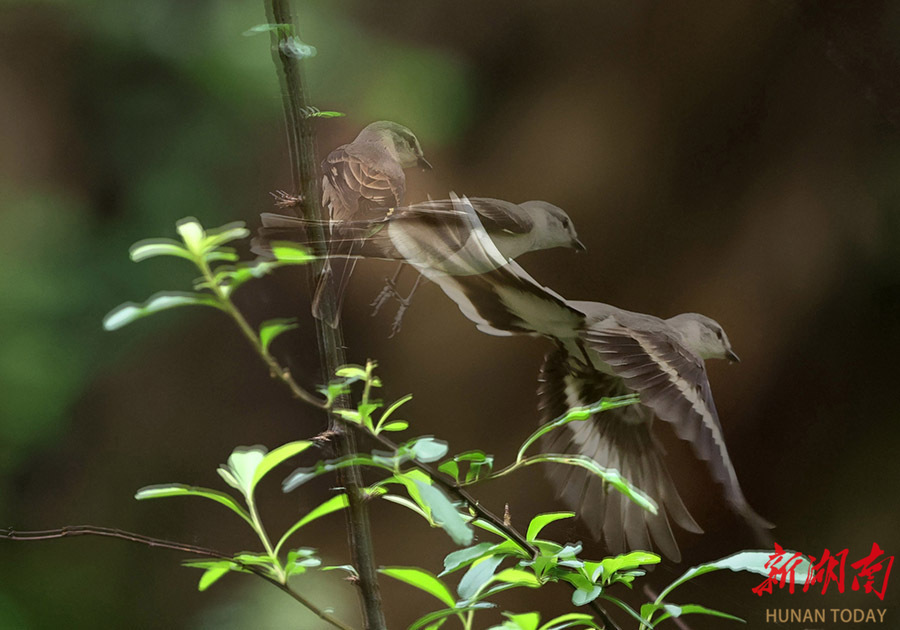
(389, 291)
(404, 304)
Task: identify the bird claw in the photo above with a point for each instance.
(285, 199)
(389, 291)
(398, 318)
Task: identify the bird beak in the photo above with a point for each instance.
(732, 357)
(424, 164)
(579, 246)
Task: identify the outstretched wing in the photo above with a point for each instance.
(672, 382)
(619, 439)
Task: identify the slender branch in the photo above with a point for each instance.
(302, 149)
(109, 532)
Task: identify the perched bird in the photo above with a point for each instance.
(606, 351)
(362, 180)
(440, 232)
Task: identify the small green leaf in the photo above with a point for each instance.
(270, 329)
(428, 449)
(240, 471)
(212, 575)
(450, 468)
(334, 504)
(411, 505)
(585, 596)
(355, 372)
(276, 457)
(265, 28)
(445, 514)
(225, 234)
(182, 490)
(540, 521)
(524, 621)
(192, 234)
(396, 425)
(519, 577)
(422, 580)
(130, 311)
(151, 247)
(570, 620)
(287, 252)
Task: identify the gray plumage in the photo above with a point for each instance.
(362, 180)
(603, 350)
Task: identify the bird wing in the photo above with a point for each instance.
(672, 381)
(618, 439)
(360, 178)
(496, 215)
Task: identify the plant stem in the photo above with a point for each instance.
(301, 145)
(89, 530)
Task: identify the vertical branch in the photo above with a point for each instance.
(302, 147)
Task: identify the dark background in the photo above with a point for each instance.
(737, 159)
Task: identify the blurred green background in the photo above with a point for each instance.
(737, 159)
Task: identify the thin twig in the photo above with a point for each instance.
(301, 145)
(109, 532)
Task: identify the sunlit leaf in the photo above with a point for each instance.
(182, 490)
(445, 514)
(240, 471)
(276, 457)
(130, 311)
(270, 329)
(356, 372)
(585, 596)
(192, 234)
(224, 234)
(212, 574)
(151, 247)
(450, 468)
(410, 505)
(463, 557)
(540, 521)
(396, 425)
(570, 620)
(423, 580)
(287, 252)
(519, 577)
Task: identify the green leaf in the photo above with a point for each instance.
(265, 28)
(422, 580)
(540, 521)
(450, 468)
(396, 425)
(299, 560)
(355, 372)
(478, 576)
(585, 596)
(428, 449)
(221, 253)
(462, 557)
(519, 577)
(151, 247)
(192, 234)
(334, 504)
(126, 313)
(396, 405)
(750, 561)
(445, 514)
(270, 329)
(182, 490)
(523, 621)
(212, 574)
(570, 620)
(287, 252)
(225, 234)
(441, 614)
(577, 414)
(240, 471)
(276, 457)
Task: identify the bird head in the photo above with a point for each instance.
(399, 141)
(557, 229)
(704, 336)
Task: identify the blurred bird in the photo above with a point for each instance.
(440, 232)
(362, 180)
(606, 351)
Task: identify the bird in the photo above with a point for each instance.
(362, 180)
(601, 351)
(440, 230)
